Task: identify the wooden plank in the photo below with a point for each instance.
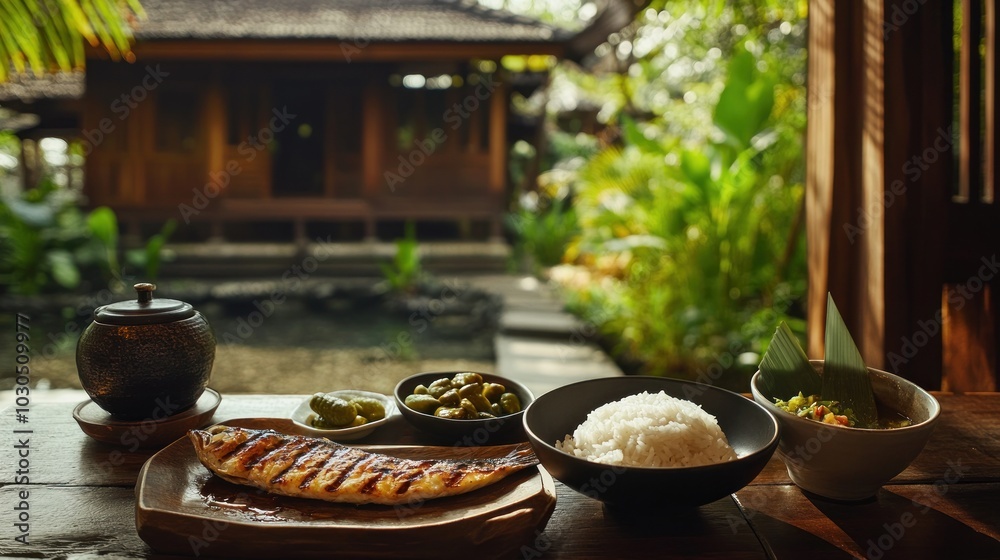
(991, 146)
(329, 145)
(215, 116)
(970, 172)
(970, 361)
(903, 521)
(872, 277)
(372, 141)
(67, 521)
(498, 139)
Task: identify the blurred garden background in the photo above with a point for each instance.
(661, 194)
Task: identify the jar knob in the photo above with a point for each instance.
(145, 291)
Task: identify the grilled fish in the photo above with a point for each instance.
(306, 467)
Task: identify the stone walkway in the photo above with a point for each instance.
(538, 343)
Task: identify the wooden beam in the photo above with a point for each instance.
(372, 141)
(498, 139)
(215, 117)
(875, 226)
(329, 145)
(970, 174)
(991, 147)
(326, 50)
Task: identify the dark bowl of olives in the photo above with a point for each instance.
(464, 407)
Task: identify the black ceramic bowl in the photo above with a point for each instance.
(493, 431)
(751, 430)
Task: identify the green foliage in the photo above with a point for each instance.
(47, 243)
(45, 36)
(689, 249)
(404, 273)
(544, 229)
(150, 258)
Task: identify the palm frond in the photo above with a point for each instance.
(47, 35)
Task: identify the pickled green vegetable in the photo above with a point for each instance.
(451, 413)
(359, 421)
(465, 378)
(469, 408)
(509, 403)
(492, 391)
(439, 387)
(474, 394)
(464, 396)
(422, 403)
(334, 410)
(451, 397)
(368, 408)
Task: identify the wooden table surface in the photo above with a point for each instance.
(945, 505)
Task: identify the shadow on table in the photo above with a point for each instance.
(784, 540)
(892, 526)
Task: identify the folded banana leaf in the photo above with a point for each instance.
(845, 376)
(785, 369)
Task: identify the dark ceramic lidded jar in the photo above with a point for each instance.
(146, 358)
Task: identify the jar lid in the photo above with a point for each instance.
(144, 310)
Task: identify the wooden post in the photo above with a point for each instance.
(373, 138)
(498, 140)
(215, 126)
(875, 228)
(329, 145)
(372, 141)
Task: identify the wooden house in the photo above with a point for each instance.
(303, 110)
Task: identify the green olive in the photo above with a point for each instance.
(474, 394)
(492, 391)
(495, 409)
(439, 387)
(368, 408)
(452, 413)
(422, 403)
(465, 378)
(510, 403)
(470, 409)
(450, 398)
(485, 415)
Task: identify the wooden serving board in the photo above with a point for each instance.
(182, 508)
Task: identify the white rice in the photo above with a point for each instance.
(649, 430)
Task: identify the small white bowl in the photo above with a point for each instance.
(301, 416)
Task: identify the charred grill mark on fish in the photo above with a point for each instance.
(315, 468)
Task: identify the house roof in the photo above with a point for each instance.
(363, 20)
(28, 87)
